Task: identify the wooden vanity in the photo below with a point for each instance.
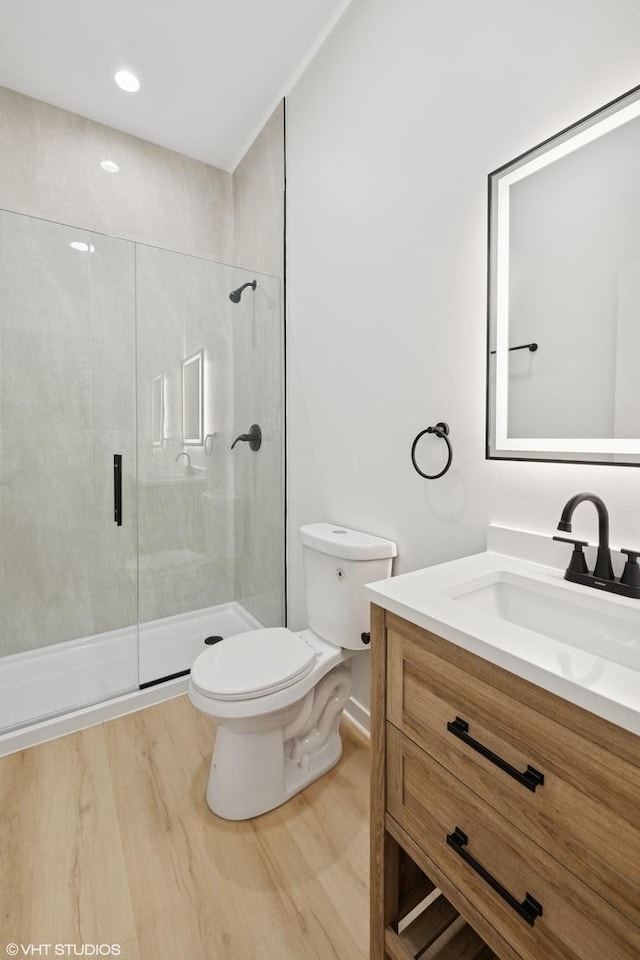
(505, 821)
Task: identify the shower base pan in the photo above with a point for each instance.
(54, 690)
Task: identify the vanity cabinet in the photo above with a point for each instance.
(505, 820)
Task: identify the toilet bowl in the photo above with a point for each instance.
(278, 696)
(270, 743)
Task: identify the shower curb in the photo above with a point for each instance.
(36, 733)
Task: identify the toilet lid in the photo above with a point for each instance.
(252, 664)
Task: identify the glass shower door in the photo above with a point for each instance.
(68, 570)
(211, 518)
(186, 500)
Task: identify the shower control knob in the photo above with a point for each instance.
(253, 438)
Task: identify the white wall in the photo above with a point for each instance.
(391, 133)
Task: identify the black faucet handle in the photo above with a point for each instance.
(632, 554)
(631, 573)
(576, 543)
(578, 562)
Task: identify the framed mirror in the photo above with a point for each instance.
(192, 399)
(563, 357)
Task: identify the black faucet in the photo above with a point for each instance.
(603, 577)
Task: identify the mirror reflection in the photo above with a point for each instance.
(157, 410)
(192, 399)
(564, 294)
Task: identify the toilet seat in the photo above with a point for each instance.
(253, 664)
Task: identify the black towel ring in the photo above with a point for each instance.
(441, 430)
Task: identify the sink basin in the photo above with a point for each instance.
(587, 623)
(523, 616)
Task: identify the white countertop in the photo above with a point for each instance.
(587, 678)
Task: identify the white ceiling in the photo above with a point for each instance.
(211, 71)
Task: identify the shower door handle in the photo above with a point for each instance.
(117, 489)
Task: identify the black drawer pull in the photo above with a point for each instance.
(529, 909)
(530, 779)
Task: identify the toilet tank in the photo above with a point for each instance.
(338, 562)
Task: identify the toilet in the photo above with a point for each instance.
(278, 695)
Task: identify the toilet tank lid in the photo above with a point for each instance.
(347, 544)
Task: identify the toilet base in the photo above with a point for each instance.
(247, 784)
(255, 770)
(296, 778)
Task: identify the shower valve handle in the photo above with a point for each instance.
(253, 438)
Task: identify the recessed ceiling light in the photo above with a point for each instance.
(82, 246)
(110, 166)
(127, 81)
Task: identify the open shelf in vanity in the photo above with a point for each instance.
(432, 928)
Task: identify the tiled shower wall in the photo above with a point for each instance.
(258, 207)
(50, 168)
(190, 537)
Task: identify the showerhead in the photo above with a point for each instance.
(235, 295)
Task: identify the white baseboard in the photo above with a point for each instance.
(359, 716)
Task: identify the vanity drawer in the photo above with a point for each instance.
(585, 812)
(432, 805)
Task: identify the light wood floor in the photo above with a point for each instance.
(106, 838)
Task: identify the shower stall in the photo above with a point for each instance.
(130, 531)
